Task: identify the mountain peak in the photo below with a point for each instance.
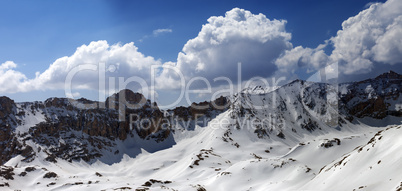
(389, 75)
(298, 81)
(128, 97)
(259, 89)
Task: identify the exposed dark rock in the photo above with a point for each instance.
(50, 175)
(330, 143)
(30, 169)
(197, 110)
(7, 172)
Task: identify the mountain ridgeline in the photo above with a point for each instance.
(73, 130)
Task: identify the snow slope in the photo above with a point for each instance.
(205, 160)
(301, 136)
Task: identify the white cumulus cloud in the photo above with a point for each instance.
(11, 81)
(368, 41)
(224, 41)
(300, 57)
(366, 38)
(119, 61)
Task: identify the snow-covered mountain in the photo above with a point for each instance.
(301, 136)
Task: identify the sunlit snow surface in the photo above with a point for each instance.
(364, 154)
(257, 164)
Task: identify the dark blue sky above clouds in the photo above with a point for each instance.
(41, 41)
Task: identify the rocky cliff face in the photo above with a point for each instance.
(376, 98)
(9, 145)
(76, 129)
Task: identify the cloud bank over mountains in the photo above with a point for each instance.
(371, 39)
(85, 64)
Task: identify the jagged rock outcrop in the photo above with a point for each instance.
(205, 108)
(7, 106)
(376, 98)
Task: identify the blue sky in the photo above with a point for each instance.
(34, 34)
